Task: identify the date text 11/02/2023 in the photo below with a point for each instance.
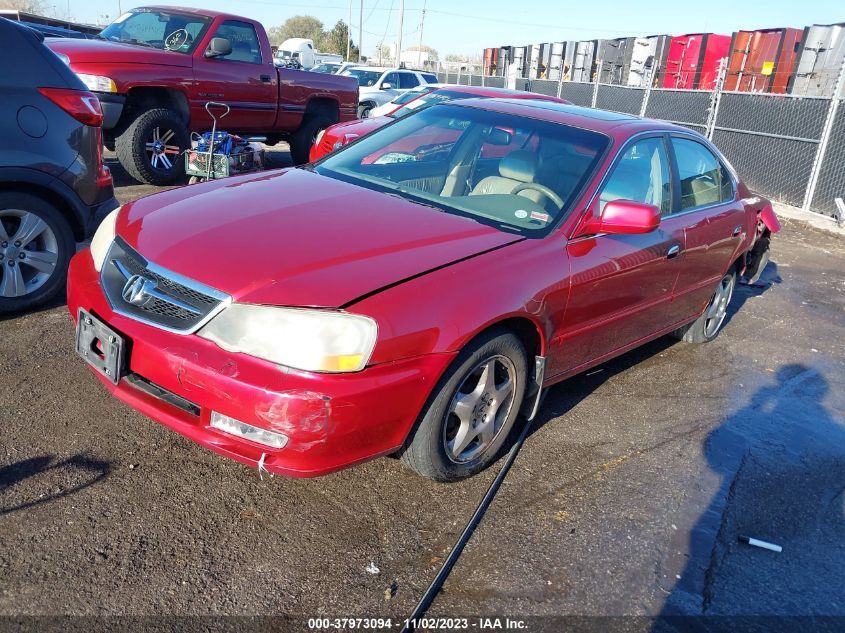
(431, 624)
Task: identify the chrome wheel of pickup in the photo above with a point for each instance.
(161, 149)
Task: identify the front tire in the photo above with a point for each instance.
(706, 327)
(151, 148)
(36, 244)
(302, 140)
(471, 411)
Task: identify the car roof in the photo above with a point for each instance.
(203, 12)
(504, 93)
(567, 114)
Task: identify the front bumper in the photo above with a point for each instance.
(112, 108)
(332, 421)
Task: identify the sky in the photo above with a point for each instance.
(469, 26)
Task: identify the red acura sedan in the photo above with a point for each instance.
(341, 134)
(413, 301)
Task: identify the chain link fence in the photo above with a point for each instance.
(788, 148)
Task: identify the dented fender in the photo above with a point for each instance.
(768, 217)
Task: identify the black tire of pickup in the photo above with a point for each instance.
(304, 137)
(137, 159)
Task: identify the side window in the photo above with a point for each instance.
(429, 78)
(392, 79)
(245, 46)
(641, 175)
(704, 180)
(408, 80)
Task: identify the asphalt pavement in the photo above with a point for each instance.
(628, 497)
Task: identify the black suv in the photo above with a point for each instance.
(54, 188)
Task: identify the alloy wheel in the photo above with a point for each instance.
(479, 409)
(29, 252)
(161, 154)
(717, 310)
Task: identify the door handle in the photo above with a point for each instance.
(673, 252)
(737, 230)
(266, 79)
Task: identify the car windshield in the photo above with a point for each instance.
(517, 173)
(366, 78)
(429, 99)
(167, 30)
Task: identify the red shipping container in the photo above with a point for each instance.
(763, 60)
(693, 60)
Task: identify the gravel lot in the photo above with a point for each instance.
(627, 498)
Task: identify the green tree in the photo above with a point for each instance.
(306, 26)
(334, 41)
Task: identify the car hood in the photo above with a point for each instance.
(296, 238)
(105, 52)
(359, 126)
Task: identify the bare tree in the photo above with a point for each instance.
(26, 6)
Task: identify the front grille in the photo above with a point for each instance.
(146, 292)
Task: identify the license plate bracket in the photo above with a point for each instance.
(102, 347)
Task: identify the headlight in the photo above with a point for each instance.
(312, 340)
(103, 239)
(97, 83)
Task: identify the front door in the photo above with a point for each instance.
(243, 80)
(621, 285)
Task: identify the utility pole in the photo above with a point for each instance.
(399, 43)
(419, 50)
(361, 31)
(349, 34)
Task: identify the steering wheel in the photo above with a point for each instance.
(536, 186)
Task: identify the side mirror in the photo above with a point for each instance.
(624, 217)
(386, 85)
(218, 47)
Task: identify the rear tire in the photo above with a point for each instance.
(706, 327)
(40, 262)
(364, 110)
(302, 140)
(151, 149)
(470, 413)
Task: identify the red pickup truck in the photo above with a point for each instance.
(155, 68)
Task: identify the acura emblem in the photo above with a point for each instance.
(138, 291)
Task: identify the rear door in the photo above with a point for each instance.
(714, 221)
(243, 80)
(622, 284)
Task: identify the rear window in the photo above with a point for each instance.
(430, 78)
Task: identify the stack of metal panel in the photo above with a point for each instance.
(491, 60)
(645, 59)
(820, 58)
(763, 60)
(693, 60)
(584, 54)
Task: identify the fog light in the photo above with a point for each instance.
(247, 431)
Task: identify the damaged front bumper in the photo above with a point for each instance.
(330, 420)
